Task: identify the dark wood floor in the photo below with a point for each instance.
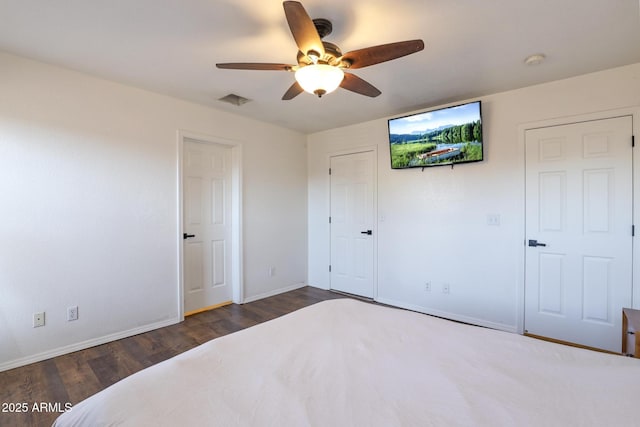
(73, 377)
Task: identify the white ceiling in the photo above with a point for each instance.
(473, 48)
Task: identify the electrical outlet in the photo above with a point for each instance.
(72, 313)
(38, 319)
(493, 219)
(445, 288)
(427, 287)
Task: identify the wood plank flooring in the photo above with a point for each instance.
(76, 376)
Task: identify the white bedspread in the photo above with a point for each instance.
(349, 363)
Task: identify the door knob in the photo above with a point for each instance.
(369, 232)
(186, 236)
(534, 243)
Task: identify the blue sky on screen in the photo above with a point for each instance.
(426, 121)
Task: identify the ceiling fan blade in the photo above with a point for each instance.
(255, 66)
(292, 92)
(385, 52)
(303, 30)
(356, 84)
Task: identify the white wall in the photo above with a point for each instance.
(88, 207)
(435, 226)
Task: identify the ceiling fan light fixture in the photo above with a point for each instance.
(319, 79)
(313, 56)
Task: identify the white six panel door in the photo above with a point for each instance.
(352, 219)
(579, 204)
(207, 216)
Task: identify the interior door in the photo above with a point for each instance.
(579, 231)
(207, 225)
(352, 223)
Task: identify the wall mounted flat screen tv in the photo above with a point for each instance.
(439, 137)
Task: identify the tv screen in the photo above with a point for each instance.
(439, 137)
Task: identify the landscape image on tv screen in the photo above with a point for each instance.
(439, 137)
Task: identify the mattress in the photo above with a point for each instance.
(348, 363)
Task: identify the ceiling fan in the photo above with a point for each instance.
(321, 64)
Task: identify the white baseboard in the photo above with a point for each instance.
(84, 344)
(450, 316)
(274, 292)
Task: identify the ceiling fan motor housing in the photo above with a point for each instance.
(332, 54)
(323, 26)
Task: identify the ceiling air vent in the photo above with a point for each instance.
(234, 99)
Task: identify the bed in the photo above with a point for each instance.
(349, 363)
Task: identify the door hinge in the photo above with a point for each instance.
(329, 220)
(633, 140)
(329, 269)
(329, 171)
(633, 230)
